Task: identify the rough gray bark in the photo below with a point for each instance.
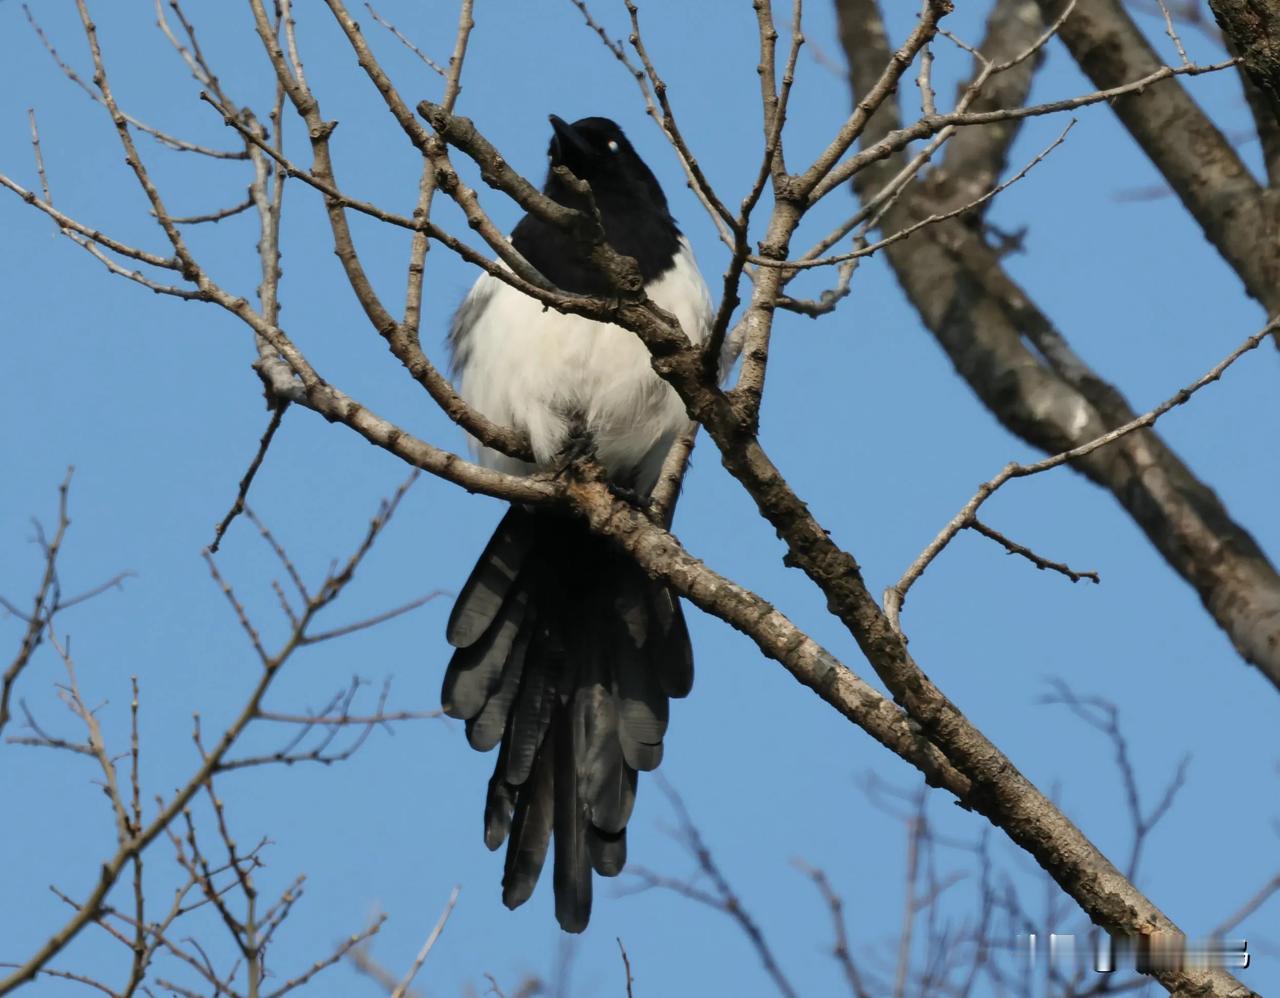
(1253, 27)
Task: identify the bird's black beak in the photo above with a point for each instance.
(567, 145)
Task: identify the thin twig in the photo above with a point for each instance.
(724, 899)
(44, 603)
(1013, 547)
(211, 759)
(214, 216)
(1259, 898)
(868, 250)
(403, 986)
(1104, 716)
(668, 120)
(840, 949)
(94, 235)
(895, 595)
(662, 501)
(237, 507)
(638, 74)
(915, 834)
(933, 124)
(427, 181)
(1172, 33)
(379, 618)
(347, 946)
(265, 532)
(431, 64)
(626, 965)
(164, 138)
(35, 145)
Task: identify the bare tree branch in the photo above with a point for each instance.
(1049, 397)
(277, 415)
(1182, 143)
(722, 897)
(1013, 547)
(403, 987)
(132, 842)
(896, 595)
(923, 727)
(1253, 26)
(47, 602)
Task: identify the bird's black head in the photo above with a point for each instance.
(595, 150)
(632, 208)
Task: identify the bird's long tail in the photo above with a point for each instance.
(566, 656)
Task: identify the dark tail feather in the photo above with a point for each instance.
(499, 805)
(572, 874)
(566, 656)
(530, 830)
(484, 728)
(475, 672)
(672, 655)
(486, 589)
(608, 851)
(527, 723)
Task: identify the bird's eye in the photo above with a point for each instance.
(613, 145)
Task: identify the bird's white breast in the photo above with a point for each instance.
(535, 369)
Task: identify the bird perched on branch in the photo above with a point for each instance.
(566, 651)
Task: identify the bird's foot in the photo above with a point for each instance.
(579, 445)
(628, 495)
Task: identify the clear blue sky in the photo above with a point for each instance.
(154, 403)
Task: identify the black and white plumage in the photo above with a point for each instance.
(566, 652)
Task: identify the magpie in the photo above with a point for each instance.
(566, 652)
